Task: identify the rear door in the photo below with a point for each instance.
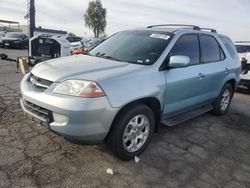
(198, 83)
(213, 65)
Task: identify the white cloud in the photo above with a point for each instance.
(230, 17)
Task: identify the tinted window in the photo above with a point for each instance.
(13, 35)
(187, 45)
(230, 47)
(222, 54)
(141, 47)
(211, 50)
(242, 48)
(73, 39)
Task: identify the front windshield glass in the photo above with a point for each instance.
(140, 47)
(243, 48)
(13, 35)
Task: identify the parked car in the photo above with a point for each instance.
(93, 42)
(2, 33)
(125, 87)
(243, 49)
(15, 40)
(245, 81)
(75, 43)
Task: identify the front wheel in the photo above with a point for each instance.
(222, 102)
(131, 131)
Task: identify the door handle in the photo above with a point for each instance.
(200, 76)
(226, 70)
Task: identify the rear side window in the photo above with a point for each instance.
(188, 45)
(230, 47)
(211, 50)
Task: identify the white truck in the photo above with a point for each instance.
(243, 49)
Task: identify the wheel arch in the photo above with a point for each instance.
(233, 83)
(152, 102)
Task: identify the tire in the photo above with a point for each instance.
(220, 107)
(123, 135)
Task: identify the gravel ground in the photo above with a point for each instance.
(207, 151)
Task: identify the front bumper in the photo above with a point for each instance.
(89, 119)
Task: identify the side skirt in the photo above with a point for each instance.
(187, 115)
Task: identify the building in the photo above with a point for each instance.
(11, 25)
(40, 30)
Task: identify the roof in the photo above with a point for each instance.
(9, 22)
(171, 28)
(243, 43)
(39, 29)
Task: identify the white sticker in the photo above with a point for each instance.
(160, 36)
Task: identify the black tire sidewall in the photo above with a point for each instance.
(119, 128)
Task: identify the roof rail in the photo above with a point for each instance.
(178, 25)
(209, 29)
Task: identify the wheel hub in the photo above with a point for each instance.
(136, 133)
(225, 100)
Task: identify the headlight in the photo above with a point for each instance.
(80, 88)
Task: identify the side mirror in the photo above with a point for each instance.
(178, 61)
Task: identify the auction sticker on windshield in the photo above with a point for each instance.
(160, 36)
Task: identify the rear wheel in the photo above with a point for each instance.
(222, 102)
(131, 132)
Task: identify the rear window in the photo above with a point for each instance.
(230, 47)
(73, 39)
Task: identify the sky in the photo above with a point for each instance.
(230, 17)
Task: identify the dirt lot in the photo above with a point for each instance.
(207, 151)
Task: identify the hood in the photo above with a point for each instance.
(82, 67)
(10, 39)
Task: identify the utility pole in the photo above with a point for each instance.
(31, 14)
(32, 17)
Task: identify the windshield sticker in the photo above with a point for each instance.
(160, 36)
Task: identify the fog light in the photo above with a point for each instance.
(59, 118)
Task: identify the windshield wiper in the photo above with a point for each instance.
(107, 57)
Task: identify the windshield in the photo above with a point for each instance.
(243, 48)
(13, 35)
(140, 47)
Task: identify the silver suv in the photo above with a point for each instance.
(125, 87)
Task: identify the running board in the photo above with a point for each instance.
(187, 115)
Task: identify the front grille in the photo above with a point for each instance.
(38, 111)
(39, 83)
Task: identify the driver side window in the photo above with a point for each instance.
(187, 45)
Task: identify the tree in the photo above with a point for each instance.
(70, 34)
(95, 17)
